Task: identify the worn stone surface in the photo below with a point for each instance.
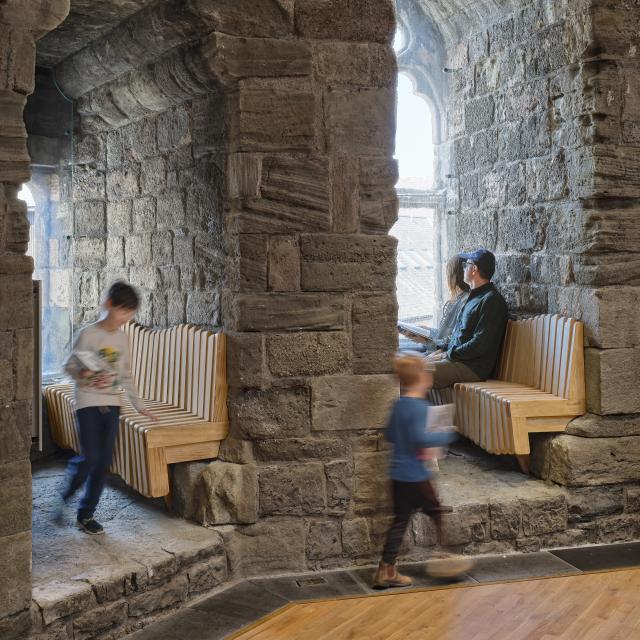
(311, 354)
(230, 494)
(360, 402)
(292, 489)
(270, 546)
(574, 461)
(323, 539)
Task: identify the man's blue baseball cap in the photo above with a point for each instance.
(483, 259)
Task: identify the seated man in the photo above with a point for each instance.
(472, 351)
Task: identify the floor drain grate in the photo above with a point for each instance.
(310, 582)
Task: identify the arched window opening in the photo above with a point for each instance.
(416, 284)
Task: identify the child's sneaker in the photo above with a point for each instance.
(90, 526)
(387, 576)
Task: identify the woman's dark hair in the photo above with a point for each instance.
(121, 294)
(455, 275)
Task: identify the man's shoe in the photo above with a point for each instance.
(387, 576)
(90, 526)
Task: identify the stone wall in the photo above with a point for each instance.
(538, 165)
(145, 206)
(20, 27)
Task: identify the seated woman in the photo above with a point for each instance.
(458, 291)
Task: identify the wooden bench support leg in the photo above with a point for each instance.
(523, 461)
(168, 501)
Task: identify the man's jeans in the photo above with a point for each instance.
(98, 428)
(447, 373)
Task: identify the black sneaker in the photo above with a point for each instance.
(89, 525)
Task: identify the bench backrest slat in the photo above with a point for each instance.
(545, 352)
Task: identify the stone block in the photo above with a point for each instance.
(540, 516)
(341, 403)
(90, 253)
(90, 219)
(23, 363)
(268, 547)
(183, 251)
(344, 262)
(594, 426)
(170, 212)
(360, 122)
(232, 57)
(162, 248)
(292, 489)
(355, 537)
(284, 263)
(589, 502)
(15, 497)
(339, 479)
(632, 499)
(144, 215)
(206, 575)
(323, 539)
(246, 361)
(610, 381)
(7, 391)
(230, 494)
(423, 530)
(17, 627)
(372, 489)
(308, 354)
(15, 567)
(274, 115)
(245, 18)
(468, 523)
(88, 184)
(341, 63)
(57, 599)
(18, 289)
(574, 462)
(137, 251)
(174, 128)
(295, 449)
(203, 308)
(374, 335)
(237, 451)
(478, 228)
(345, 193)
(100, 619)
(506, 520)
(479, 114)
(119, 217)
(274, 413)
(123, 183)
(359, 20)
(249, 268)
(244, 172)
(162, 597)
(620, 528)
(289, 312)
(115, 252)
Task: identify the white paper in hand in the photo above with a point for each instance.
(439, 418)
(89, 360)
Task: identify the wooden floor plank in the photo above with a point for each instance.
(593, 606)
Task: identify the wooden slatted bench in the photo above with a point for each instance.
(539, 387)
(180, 374)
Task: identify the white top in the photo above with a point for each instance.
(97, 352)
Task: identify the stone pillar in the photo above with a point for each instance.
(310, 298)
(20, 26)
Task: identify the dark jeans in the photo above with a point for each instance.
(448, 372)
(98, 428)
(407, 498)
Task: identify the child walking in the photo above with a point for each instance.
(412, 488)
(100, 367)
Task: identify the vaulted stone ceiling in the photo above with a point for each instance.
(456, 18)
(87, 20)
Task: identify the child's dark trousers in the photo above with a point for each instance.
(98, 428)
(407, 498)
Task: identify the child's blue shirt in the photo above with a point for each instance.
(407, 431)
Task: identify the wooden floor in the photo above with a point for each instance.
(594, 606)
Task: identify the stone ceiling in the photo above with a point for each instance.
(87, 20)
(457, 18)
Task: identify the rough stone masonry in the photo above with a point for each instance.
(234, 158)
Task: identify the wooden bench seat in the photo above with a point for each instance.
(181, 375)
(539, 387)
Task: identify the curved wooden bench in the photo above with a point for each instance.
(539, 387)
(181, 376)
